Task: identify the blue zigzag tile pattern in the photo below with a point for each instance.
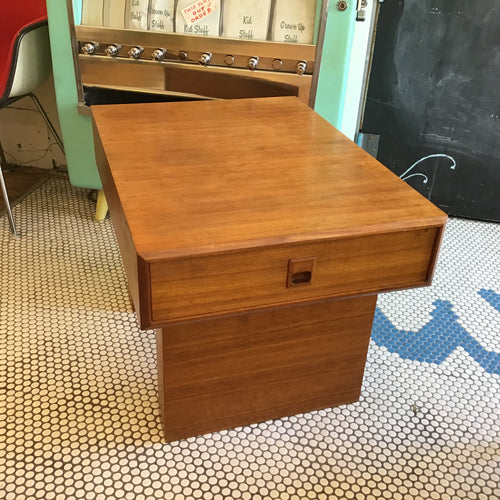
(436, 340)
(492, 298)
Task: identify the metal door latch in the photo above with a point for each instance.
(361, 10)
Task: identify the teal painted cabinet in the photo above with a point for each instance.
(76, 127)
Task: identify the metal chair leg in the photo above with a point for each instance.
(3, 162)
(47, 121)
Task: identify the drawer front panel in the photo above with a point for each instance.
(207, 285)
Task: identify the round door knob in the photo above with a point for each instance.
(252, 63)
(158, 54)
(301, 67)
(205, 58)
(182, 55)
(112, 50)
(135, 52)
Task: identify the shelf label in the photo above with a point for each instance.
(246, 19)
(137, 15)
(162, 15)
(294, 21)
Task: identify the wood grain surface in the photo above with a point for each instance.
(212, 176)
(207, 285)
(221, 373)
(214, 205)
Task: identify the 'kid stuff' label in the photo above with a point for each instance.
(137, 14)
(246, 19)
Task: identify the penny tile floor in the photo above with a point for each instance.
(79, 414)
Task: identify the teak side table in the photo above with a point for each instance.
(255, 238)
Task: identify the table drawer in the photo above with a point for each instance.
(207, 285)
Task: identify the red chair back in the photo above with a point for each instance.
(17, 17)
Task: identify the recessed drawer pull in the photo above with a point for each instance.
(301, 278)
(300, 271)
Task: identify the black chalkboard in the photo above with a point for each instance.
(434, 93)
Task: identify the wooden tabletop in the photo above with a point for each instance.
(213, 176)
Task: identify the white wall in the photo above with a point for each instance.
(24, 134)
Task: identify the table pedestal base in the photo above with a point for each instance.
(231, 371)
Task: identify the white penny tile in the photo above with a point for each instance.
(79, 416)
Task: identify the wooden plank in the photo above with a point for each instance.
(229, 282)
(215, 176)
(236, 370)
(136, 269)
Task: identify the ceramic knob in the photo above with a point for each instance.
(158, 54)
(88, 48)
(301, 67)
(112, 50)
(205, 58)
(135, 52)
(252, 63)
